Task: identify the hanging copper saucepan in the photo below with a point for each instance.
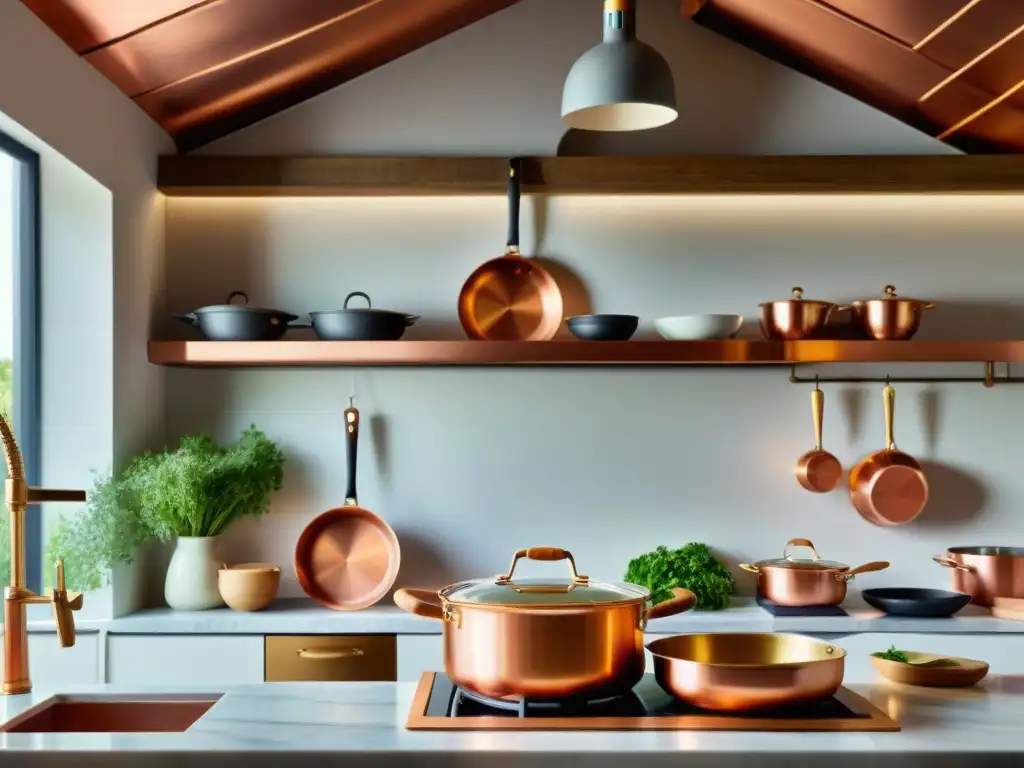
(890, 318)
(818, 470)
(888, 487)
(795, 318)
(733, 672)
(543, 638)
(511, 298)
(801, 582)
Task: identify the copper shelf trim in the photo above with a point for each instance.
(966, 67)
(975, 115)
(573, 353)
(989, 380)
(944, 25)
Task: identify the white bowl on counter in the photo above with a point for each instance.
(698, 327)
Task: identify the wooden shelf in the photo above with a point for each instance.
(573, 353)
(210, 176)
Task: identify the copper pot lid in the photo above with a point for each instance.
(889, 294)
(505, 590)
(812, 563)
(798, 296)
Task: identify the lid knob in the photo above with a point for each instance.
(798, 292)
(890, 291)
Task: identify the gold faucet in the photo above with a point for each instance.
(18, 496)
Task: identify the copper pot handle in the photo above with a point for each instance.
(546, 554)
(877, 565)
(681, 600)
(329, 654)
(949, 562)
(421, 602)
(751, 568)
(799, 543)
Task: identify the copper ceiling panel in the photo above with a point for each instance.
(908, 21)
(223, 99)
(973, 98)
(209, 36)
(87, 24)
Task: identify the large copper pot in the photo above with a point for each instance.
(986, 573)
(800, 582)
(890, 318)
(743, 671)
(543, 638)
(795, 318)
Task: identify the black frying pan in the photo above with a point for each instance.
(922, 603)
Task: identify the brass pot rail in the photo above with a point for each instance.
(16, 595)
(990, 379)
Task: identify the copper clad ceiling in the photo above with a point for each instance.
(953, 68)
(205, 69)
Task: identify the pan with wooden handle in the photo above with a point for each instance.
(511, 298)
(888, 487)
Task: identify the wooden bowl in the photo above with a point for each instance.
(248, 586)
(932, 670)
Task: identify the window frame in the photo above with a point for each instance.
(26, 379)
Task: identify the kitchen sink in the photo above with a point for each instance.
(112, 714)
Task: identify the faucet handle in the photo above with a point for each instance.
(63, 603)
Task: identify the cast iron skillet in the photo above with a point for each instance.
(239, 322)
(908, 601)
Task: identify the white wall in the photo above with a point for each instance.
(102, 252)
(469, 465)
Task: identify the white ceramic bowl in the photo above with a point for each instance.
(698, 327)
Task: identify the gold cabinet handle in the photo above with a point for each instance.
(328, 654)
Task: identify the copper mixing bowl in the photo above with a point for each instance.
(891, 318)
(795, 318)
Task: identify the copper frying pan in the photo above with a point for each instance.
(347, 558)
(818, 470)
(511, 298)
(888, 487)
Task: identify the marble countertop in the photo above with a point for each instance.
(276, 723)
(304, 617)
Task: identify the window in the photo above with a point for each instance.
(19, 333)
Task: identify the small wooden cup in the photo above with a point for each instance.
(248, 586)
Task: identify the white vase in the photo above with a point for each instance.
(191, 583)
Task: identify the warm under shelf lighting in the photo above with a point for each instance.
(966, 67)
(945, 25)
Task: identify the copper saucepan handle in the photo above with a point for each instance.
(547, 554)
(949, 562)
(421, 602)
(878, 565)
(681, 600)
(329, 654)
(799, 543)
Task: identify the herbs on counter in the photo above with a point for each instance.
(693, 567)
(893, 655)
(200, 488)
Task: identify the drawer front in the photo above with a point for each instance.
(330, 658)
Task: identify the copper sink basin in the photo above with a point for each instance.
(112, 714)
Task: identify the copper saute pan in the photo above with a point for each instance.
(986, 573)
(803, 582)
(743, 671)
(543, 638)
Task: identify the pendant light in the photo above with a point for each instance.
(620, 84)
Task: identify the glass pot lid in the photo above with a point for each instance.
(813, 562)
(577, 589)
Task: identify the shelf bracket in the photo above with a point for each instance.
(990, 379)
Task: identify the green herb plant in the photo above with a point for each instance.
(693, 567)
(200, 488)
(893, 655)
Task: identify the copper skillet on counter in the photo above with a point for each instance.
(744, 671)
(888, 487)
(543, 638)
(347, 558)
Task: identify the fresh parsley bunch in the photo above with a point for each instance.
(693, 567)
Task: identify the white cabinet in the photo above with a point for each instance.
(418, 654)
(214, 660)
(50, 666)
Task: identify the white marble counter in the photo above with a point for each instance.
(363, 724)
(304, 617)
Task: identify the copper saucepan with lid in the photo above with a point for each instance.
(801, 582)
(891, 317)
(541, 637)
(795, 318)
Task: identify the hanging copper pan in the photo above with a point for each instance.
(818, 470)
(347, 558)
(511, 298)
(888, 487)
